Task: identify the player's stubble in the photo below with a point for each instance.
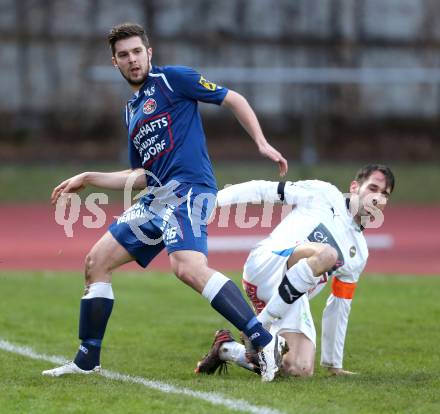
(133, 82)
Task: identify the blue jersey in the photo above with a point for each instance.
(165, 132)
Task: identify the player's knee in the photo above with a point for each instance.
(298, 368)
(326, 258)
(92, 269)
(184, 271)
(88, 267)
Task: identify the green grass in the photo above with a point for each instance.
(159, 329)
(416, 183)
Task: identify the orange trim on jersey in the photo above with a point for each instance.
(342, 289)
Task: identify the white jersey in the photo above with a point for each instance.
(320, 214)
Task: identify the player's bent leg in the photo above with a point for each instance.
(105, 256)
(225, 297)
(191, 268)
(307, 263)
(299, 361)
(320, 257)
(304, 251)
(96, 305)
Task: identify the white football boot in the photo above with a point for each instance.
(69, 368)
(270, 358)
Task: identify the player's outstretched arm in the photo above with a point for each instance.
(334, 326)
(247, 118)
(110, 181)
(256, 191)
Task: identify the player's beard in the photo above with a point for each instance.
(361, 211)
(136, 82)
(365, 210)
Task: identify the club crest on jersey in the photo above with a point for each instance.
(352, 251)
(150, 91)
(150, 106)
(207, 84)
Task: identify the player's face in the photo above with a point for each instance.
(372, 194)
(133, 60)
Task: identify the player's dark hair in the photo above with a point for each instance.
(364, 173)
(124, 31)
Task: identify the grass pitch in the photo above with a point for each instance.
(159, 329)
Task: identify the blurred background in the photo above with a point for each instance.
(331, 80)
(335, 84)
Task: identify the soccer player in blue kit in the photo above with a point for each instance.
(168, 157)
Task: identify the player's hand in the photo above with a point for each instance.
(270, 152)
(71, 185)
(340, 372)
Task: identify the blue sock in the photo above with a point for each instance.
(94, 315)
(230, 303)
(259, 336)
(87, 356)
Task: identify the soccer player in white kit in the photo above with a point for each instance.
(321, 239)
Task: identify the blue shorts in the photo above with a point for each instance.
(176, 220)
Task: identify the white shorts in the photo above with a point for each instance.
(263, 272)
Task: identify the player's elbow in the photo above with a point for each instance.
(137, 177)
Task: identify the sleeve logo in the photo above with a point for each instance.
(207, 84)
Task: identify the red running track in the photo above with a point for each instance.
(31, 239)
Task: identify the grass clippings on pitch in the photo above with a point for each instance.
(159, 329)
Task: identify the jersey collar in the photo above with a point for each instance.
(140, 91)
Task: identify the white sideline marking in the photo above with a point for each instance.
(211, 397)
(246, 243)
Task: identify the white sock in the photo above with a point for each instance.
(213, 285)
(235, 352)
(99, 290)
(300, 276)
